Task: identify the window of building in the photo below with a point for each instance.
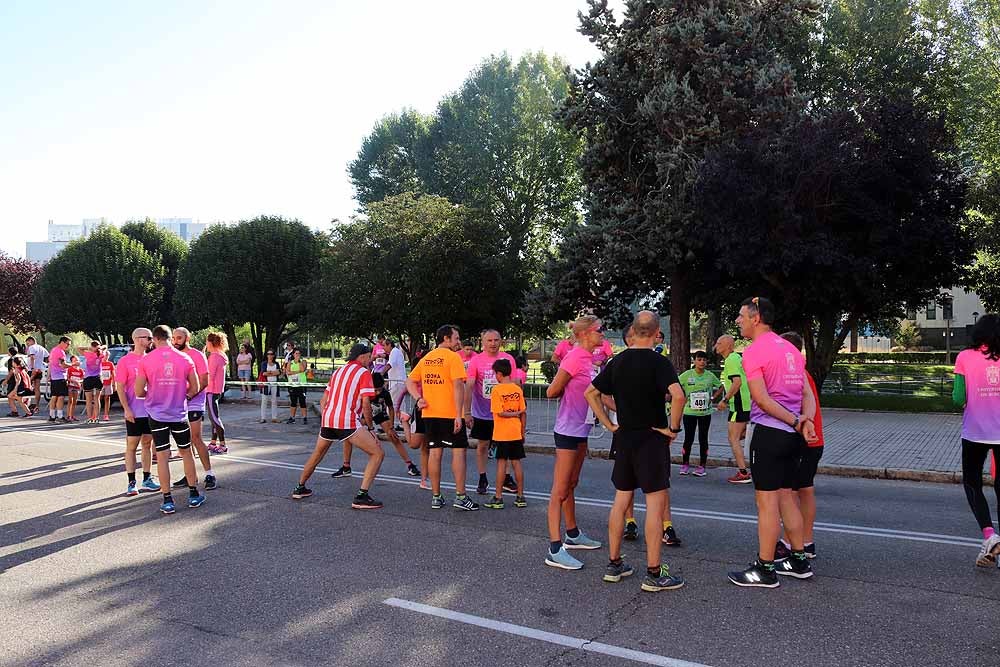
(947, 312)
(932, 310)
(911, 313)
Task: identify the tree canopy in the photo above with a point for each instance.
(674, 80)
(104, 285)
(168, 249)
(494, 146)
(413, 263)
(18, 278)
(248, 272)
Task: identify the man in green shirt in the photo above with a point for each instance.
(736, 401)
(699, 386)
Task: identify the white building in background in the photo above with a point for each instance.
(950, 316)
(60, 235)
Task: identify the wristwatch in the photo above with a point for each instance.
(673, 430)
(795, 424)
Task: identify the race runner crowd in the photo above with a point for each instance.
(167, 387)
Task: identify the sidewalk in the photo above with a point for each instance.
(881, 445)
(884, 445)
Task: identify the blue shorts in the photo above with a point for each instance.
(571, 442)
(243, 373)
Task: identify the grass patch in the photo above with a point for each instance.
(885, 403)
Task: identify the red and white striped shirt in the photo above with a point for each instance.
(347, 386)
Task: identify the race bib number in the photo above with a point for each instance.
(294, 379)
(488, 384)
(700, 400)
(105, 376)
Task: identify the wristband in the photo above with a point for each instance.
(673, 430)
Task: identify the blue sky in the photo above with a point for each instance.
(226, 110)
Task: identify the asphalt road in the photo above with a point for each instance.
(89, 577)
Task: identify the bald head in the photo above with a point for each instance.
(645, 324)
(725, 345)
(180, 338)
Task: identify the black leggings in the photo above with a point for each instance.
(702, 424)
(212, 408)
(973, 458)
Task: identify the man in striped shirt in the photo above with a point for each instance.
(346, 398)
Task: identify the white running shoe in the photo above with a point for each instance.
(989, 551)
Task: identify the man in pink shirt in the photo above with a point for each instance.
(167, 380)
(58, 386)
(478, 414)
(136, 419)
(196, 406)
(782, 411)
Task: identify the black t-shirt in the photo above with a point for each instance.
(380, 404)
(639, 380)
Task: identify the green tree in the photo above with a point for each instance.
(413, 264)
(104, 285)
(495, 146)
(854, 218)
(674, 80)
(249, 272)
(169, 250)
(394, 158)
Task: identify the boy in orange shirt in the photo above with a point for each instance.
(509, 420)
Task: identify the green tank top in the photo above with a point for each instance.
(297, 372)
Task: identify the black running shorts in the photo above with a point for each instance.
(808, 463)
(297, 397)
(196, 415)
(482, 429)
(642, 461)
(59, 388)
(137, 428)
(511, 450)
(774, 458)
(441, 433)
(162, 431)
(93, 383)
(570, 442)
(337, 434)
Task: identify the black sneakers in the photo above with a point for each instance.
(631, 531)
(363, 501)
(781, 552)
(210, 483)
(484, 485)
(412, 470)
(301, 492)
(342, 471)
(509, 485)
(796, 565)
(758, 575)
(670, 537)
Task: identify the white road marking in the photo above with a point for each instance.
(732, 517)
(541, 635)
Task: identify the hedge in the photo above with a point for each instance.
(893, 357)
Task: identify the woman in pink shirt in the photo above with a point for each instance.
(977, 389)
(216, 346)
(573, 424)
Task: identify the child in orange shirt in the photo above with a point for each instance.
(509, 421)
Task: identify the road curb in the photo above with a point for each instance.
(896, 474)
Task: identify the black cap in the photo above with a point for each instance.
(357, 350)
